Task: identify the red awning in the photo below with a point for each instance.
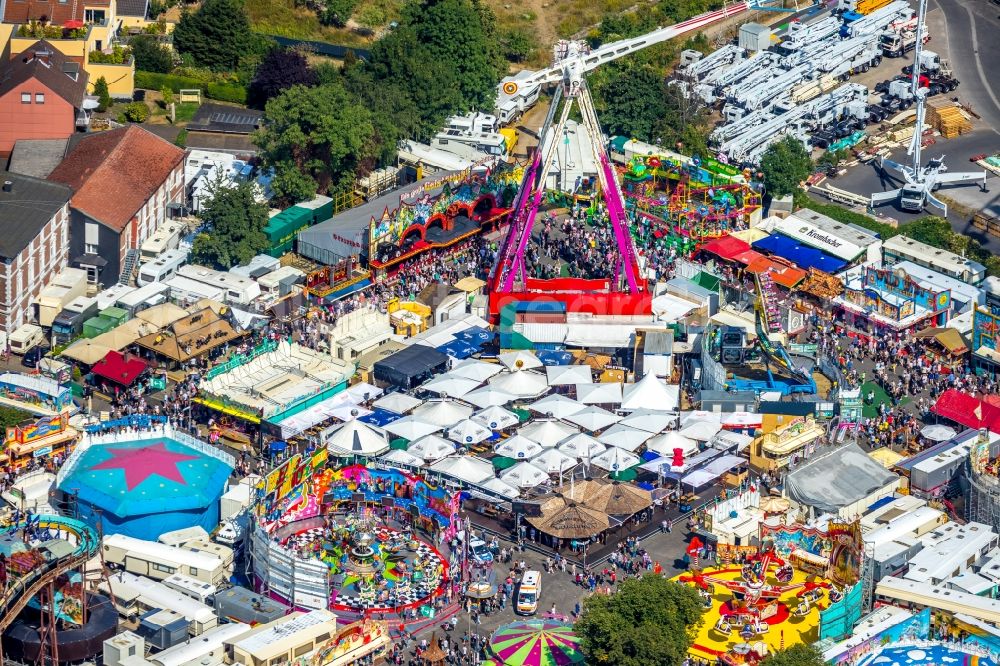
(120, 368)
(967, 410)
(726, 247)
(73, 24)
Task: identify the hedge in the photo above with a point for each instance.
(224, 92)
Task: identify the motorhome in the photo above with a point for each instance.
(166, 237)
(280, 282)
(68, 324)
(238, 290)
(67, 285)
(159, 561)
(161, 268)
(151, 294)
(25, 338)
(189, 587)
(475, 146)
(183, 536)
(185, 291)
(209, 649)
(259, 266)
(134, 595)
(110, 296)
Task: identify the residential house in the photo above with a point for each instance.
(34, 235)
(124, 181)
(41, 96)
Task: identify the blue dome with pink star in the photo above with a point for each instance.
(142, 486)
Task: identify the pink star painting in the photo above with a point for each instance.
(139, 464)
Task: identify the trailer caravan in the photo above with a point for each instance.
(109, 297)
(189, 587)
(67, 285)
(152, 294)
(237, 289)
(25, 338)
(185, 291)
(161, 268)
(134, 595)
(159, 561)
(68, 324)
(209, 649)
(166, 237)
(262, 264)
(183, 536)
(280, 282)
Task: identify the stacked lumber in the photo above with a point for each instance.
(947, 118)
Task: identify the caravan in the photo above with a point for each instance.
(159, 561)
(280, 282)
(162, 268)
(64, 287)
(166, 237)
(237, 289)
(144, 297)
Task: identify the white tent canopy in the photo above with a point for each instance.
(624, 437)
(442, 412)
(615, 460)
(556, 405)
(400, 457)
(356, 438)
(665, 443)
(650, 393)
(450, 385)
(594, 418)
(522, 383)
(605, 393)
(467, 432)
(489, 396)
(553, 461)
(470, 469)
(700, 415)
(411, 428)
(363, 392)
(524, 475)
(581, 445)
(348, 412)
(501, 488)
(520, 360)
(649, 420)
(495, 418)
(518, 447)
(567, 375)
(431, 448)
(472, 368)
(547, 432)
(397, 403)
(703, 431)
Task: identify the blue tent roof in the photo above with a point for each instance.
(554, 357)
(379, 417)
(459, 349)
(802, 255)
(475, 335)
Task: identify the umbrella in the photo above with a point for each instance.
(448, 384)
(411, 428)
(536, 643)
(553, 461)
(495, 418)
(524, 475)
(581, 445)
(489, 396)
(618, 499)
(772, 504)
(650, 393)
(431, 448)
(363, 392)
(398, 403)
(570, 520)
(499, 487)
(615, 459)
(568, 375)
(442, 413)
(400, 457)
(703, 431)
(593, 418)
(599, 394)
(357, 438)
(469, 432)
(624, 475)
(937, 432)
(553, 357)
(518, 447)
(520, 360)
(348, 412)
(522, 383)
(556, 405)
(624, 437)
(474, 369)
(649, 420)
(400, 444)
(503, 462)
(547, 432)
(700, 415)
(475, 335)
(86, 351)
(665, 443)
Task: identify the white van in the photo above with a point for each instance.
(162, 268)
(25, 339)
(528, 593)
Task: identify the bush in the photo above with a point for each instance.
(150, 55)
(118, 56)
(226, 92)
(136, 112)
(157, 81)
(181, 139)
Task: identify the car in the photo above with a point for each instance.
(34, 355)
(479, 553)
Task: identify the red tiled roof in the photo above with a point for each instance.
(967, 410)
(46, 64)
(120, 368)
(56, 12)
(114, 173)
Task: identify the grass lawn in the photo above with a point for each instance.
(871, 410)
(184, 112)
(283, 18)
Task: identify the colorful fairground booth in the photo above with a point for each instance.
(352, 539)
(41, 439)
(36, 394)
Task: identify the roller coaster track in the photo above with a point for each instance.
(17, 594)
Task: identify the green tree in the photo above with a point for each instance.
(634, 102)
(932, 230)
(236, 225)
(150, 55)
(314, 138)
(785, 164)
(650, 620)
(136, 112)
(518, 44)
(796, 655)
(338, 12)
(103, 96)
(11, 416)
(217, 35)
(167, 94)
